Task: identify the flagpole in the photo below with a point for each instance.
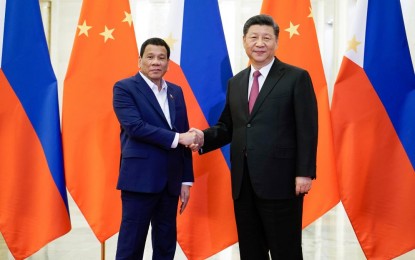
(103, 250)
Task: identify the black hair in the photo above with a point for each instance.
(261, 19)
(155, 41)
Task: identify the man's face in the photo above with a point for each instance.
(154, 62)
(260, 44)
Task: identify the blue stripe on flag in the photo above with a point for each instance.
(388, 65)
(27, 66)
(204, 58)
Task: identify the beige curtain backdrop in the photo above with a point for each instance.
(331, 236)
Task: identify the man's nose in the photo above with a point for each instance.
(260, 42)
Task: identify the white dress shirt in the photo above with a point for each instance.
(261, 79)
(164, 104)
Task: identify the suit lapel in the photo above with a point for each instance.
(144, 88)
(271, 81)
(171, 97)
(243, 94)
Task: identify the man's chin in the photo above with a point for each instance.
(157, 75)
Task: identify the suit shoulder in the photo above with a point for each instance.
(125, 82)
(174, 87)
(240, 74)
(292, 68)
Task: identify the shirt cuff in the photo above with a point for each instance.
(175, 141)
(187, 183)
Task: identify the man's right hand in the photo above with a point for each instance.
(187, 138)
(200, 140)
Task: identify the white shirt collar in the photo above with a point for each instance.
(264, 70)
(153, 86)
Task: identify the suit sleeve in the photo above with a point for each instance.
(221, 133)
(188, 175)
(132, 121)
(306, 118)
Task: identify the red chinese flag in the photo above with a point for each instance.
(298, 45)
(104, 51)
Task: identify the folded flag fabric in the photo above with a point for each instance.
(104, 52)
(33, 201)
(373, 113)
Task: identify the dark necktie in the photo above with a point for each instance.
(254, 90)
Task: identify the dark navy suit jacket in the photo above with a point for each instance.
(148, 163)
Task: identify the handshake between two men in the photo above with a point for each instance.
(194, 139)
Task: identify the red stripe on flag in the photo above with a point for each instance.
(375, 175)
(205, 218)
(30, 202)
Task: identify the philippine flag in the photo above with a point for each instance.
(373, 116)
(33, 201)
(199, 63)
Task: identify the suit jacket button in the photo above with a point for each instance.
(248, 125)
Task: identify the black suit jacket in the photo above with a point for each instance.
(279, 137)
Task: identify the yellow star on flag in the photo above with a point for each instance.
(353, 43)
(83, 29)
(90, 137)
(311, 13)
(304, 52)
(170, 41)
(293, 29)
(107, 34)
(128, 18)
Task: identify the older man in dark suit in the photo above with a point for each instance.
(270, 119)
(156, 166)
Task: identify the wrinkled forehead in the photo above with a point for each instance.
(155, 50)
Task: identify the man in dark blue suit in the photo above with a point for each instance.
(156, 165)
